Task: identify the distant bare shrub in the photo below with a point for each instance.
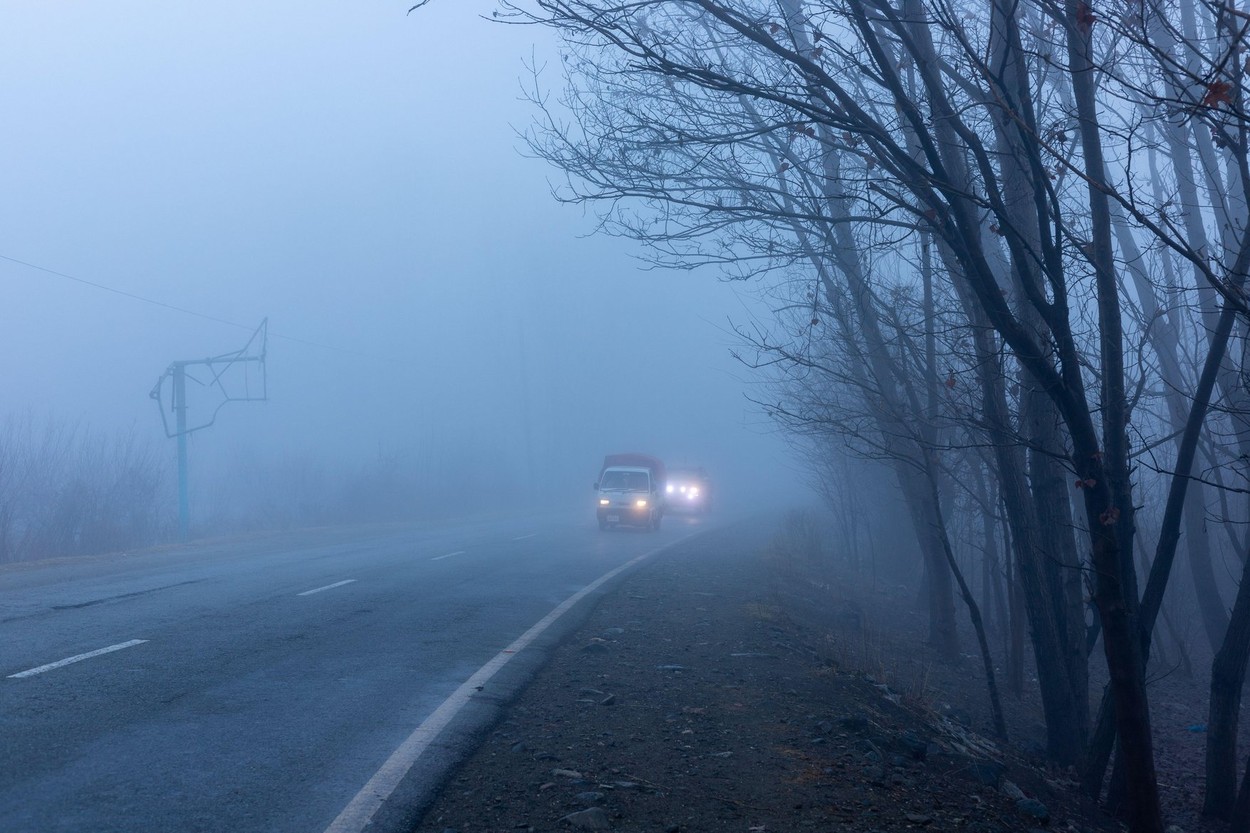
(67, 491)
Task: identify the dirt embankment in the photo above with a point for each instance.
(702, 696)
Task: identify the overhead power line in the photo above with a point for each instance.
(123, 293)
(174, 308)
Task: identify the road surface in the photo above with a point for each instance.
(259, 685)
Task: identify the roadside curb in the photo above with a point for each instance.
(399, 791)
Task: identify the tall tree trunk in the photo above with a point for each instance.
(1056, 586)
(1111, 506)
(974, 612)
(1228, 673)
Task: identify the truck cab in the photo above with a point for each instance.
(629, 495)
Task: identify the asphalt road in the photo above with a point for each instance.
(258, 685)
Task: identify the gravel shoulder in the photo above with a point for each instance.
(692, 700)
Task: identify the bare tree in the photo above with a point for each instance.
(843, 140)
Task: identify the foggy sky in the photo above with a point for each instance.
(351, 172)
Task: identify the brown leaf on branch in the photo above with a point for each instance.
(1218, 92)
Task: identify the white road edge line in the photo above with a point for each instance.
(448, 555)
(360, 810)
(327, 587)
(523, 537)
(78, 658)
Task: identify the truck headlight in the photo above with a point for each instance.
(641, 504)
(603, 501)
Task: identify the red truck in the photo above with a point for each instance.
(630, 491)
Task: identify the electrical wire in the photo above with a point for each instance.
(204, 316)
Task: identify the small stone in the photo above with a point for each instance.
(566, 773)
(625, 785)
(613, 631)
(672, 828)
(590, 692)
(609, 700)
(595, 646)
(1034, 808)
(520, 746)
(670, 668)
(593, 819)
(545, 756)
(589, 797)
(1011, 790)
(854, 723)
(917, 818)
(913, 745)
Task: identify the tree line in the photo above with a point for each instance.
(1008, 247)
(69, 490)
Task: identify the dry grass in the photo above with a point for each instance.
(808, 581)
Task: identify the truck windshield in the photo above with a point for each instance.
(634, 481)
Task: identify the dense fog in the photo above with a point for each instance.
(443, 336)
(973, 281)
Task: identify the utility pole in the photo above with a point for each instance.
(180, 421)
(252, 354)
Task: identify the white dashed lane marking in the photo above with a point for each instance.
(327, 587)
(448, 555)
(76, 658)
(523, 537)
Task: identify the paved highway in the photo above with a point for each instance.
(259, 685)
